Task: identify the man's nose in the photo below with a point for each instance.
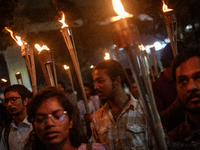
(9, 103)
(96, 85)
(192, 85)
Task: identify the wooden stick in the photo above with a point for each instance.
(76, 65)
(54, 69)
(34, 82)
(50, 74)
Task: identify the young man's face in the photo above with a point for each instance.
(188, 84)
(134, 90)
(14, 103)
(87, 91)
(103, 84)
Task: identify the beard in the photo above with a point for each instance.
(193, 111)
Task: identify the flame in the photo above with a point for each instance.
(119, 9)
(63, 21)
(16, 38)
(165, 7)
(3, 80)
(107, 56)
(39, 48)
(18, 73)
(66, 67)
(141, 47)
(91, 66)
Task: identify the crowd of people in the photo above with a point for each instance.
(54, 120)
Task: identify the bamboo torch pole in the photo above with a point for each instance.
(125, 35)
(171, 27)
(19, 77)
(67, 37)
(46, 60)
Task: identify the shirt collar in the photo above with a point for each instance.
(190, 129)
(25, 122)
(130, 105)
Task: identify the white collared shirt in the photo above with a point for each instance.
(18, 135)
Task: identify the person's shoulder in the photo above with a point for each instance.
(179, 133)
(80, 102)
(98, 113)
(93, 146)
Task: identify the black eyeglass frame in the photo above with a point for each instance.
(11, 99)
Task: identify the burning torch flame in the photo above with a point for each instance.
(119, 9)
(3, 80)
(91, 66)
(165, 7)
(107, 56)
(39, 48)
(141, 47)
(66, 67)
(16, 38)
(63, 21)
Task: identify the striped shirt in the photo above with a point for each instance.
(128, 132)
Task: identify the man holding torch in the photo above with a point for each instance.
(120, 123)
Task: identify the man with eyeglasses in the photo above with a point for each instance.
(15, 134)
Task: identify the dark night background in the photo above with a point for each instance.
(91, 36)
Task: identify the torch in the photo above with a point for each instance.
(153, 56)
(67, 35)
(19, 78)
(45, 61)
(171, 27)
(70, 76)
(4, 84)
(92, 68)
(27, 54)
(141, 47)
(107, 56)
(125, 35)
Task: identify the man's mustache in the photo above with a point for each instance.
(192, 95)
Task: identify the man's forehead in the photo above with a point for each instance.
(190, 66)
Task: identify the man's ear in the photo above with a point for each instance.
(26, 100)
(117, 81)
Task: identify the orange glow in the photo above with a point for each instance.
(3, 80)
(165, 7)
(39, 48)
(141, 47)
(63, 21)
(16, 38)
(107, 56)
(66, 67)
(119, 9)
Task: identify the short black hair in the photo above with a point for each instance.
(113, 69)
(20, 89)
(182, 57)
(167, 54)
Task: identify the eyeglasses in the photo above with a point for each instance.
(11, 99)
(56, 117)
